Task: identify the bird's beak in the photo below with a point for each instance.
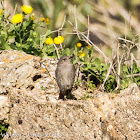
(71, 57)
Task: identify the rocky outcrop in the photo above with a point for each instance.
(29, 103)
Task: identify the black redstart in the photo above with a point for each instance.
(65, 75)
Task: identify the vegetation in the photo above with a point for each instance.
(74, 34)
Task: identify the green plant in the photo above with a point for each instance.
(19, 35)
(21, 32)
(129, 75)
(96, 73)
(3, 130)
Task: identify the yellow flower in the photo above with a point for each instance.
(88, 46)
(79, 45)
(47, 20)
(32, 18)
(27, 9)
(0, 11)
(81, 53)
(17, 18)
(58, 39)
(42, 19)
(49, 41)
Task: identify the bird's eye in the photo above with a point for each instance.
(64, 59)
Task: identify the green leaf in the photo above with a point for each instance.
(125, 70)
(110, 84)
(125, 83)
(25, 46)
(49, 48)
(3, 34)
(97, 62)
(74, 62)
(66, 51)
(135, 70)
(48, 33)
(90, 53)
(18, 44)
(27, 24)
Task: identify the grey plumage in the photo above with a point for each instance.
(65, 75)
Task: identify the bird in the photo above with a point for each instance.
(65, 76)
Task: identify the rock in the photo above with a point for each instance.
(29, 102)
(4, 108)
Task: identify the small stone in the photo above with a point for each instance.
(19, 121)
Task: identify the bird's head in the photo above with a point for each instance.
(64, 60)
